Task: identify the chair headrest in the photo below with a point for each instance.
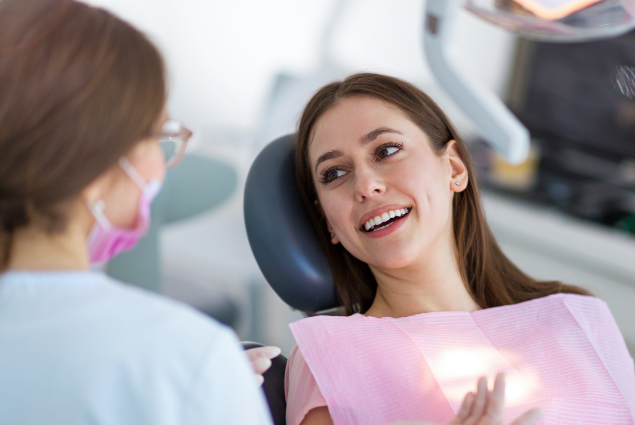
(280, 232)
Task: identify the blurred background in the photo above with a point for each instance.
(241, 71)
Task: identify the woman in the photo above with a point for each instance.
(432, 301)
(83, 131)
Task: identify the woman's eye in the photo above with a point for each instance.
(386, 152)
(329, 175)
(333, 174)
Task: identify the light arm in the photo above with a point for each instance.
(497, 124)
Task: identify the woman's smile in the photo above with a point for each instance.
(384, 221)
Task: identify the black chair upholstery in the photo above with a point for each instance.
(286, 249)
(280, 232)
(274, 385)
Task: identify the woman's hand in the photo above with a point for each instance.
(260, 359)
(486, 408)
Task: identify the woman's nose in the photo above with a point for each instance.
(368, 184)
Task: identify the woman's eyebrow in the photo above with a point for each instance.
(336, 153)
(376, 133)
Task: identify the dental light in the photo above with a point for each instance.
(542, 20)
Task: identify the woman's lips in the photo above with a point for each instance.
(385, 223)
(384, 219)
(387, 229)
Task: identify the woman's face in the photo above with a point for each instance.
(121, 196)
(371, 162)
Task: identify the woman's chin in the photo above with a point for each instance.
(391, 262)
(394, 255)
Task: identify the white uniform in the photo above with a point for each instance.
(82, 348)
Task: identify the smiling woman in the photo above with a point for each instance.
(380, 131)
(391, 191)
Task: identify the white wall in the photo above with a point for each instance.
(223, 55)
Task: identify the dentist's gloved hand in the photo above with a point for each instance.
(486, 408)
(260, 359)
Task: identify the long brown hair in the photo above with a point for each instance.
(79, 88)
(489, 276)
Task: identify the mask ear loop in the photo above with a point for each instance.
(132, 172)
(97, 208)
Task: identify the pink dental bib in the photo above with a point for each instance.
(563, 353)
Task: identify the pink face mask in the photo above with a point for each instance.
(105, 240)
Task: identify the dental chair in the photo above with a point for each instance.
(286, 248)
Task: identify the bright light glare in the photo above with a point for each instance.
(462, 363)
(457, 371)
(520, 389)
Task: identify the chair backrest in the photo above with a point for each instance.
(280, 232)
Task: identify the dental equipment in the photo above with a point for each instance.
(603, 19)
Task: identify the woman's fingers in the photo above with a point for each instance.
(464, 411)
(474, 405)
(529, 418)
(466, 407)
(481, 398)
(496, 400)
(486, 408)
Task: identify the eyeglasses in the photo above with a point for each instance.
(173, 140)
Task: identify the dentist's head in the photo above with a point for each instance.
(391, 190)
(82, 108)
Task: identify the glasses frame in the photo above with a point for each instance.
(180, 137)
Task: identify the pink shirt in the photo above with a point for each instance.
(563, 353)
(305, 394)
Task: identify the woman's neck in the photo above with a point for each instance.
(432, 284)
(38, 250)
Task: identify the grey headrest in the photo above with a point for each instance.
(280, 232)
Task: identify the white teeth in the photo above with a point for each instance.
(376, 221)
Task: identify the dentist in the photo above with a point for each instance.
(84, 145)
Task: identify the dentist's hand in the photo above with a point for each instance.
(260, 359)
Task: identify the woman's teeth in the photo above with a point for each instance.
(376, 221)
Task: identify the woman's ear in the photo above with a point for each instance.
(96, 190)
(458, 169)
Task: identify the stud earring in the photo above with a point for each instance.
(332, 235)
(456, 183)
